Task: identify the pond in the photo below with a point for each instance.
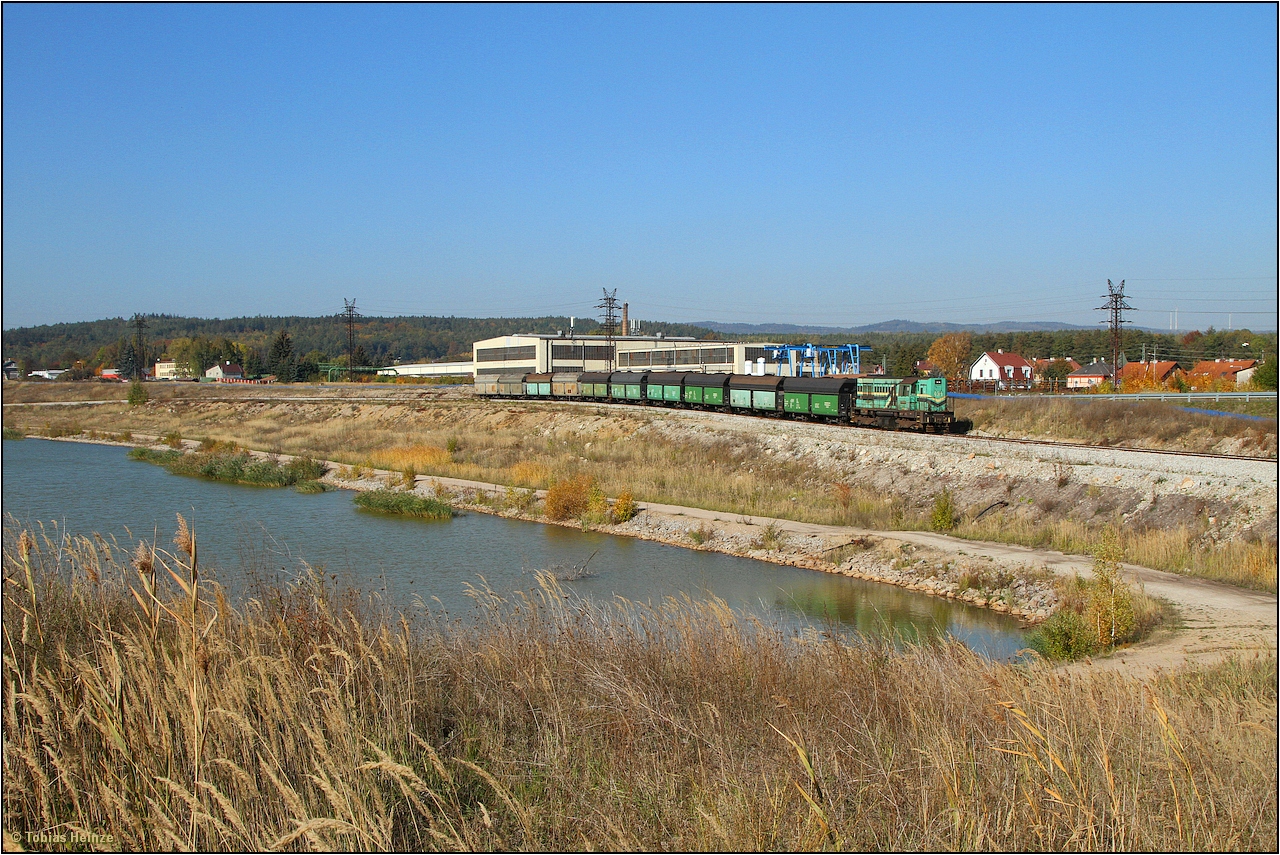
(81, 488)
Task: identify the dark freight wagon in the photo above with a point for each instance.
(707, 389)
(663, 387)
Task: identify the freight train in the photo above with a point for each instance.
(890, 403)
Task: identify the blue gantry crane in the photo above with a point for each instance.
(815, 360)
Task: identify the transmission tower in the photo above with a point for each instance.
(609, 320)
(139, 324)
(1116, 306)
(349, 316)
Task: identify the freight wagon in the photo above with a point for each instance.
(890, 403)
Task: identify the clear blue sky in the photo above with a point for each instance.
(806, 164)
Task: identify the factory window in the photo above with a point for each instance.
(716, 355)
(503, 354)
(754, 353)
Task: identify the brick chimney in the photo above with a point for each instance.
(626, 330)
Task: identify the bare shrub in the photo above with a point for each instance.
(568, 497)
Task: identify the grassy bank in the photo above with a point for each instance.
(304, 720)
(738, 474)
(1121, 423)
(233, 467)
(403, 504)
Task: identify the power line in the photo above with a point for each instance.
(348, 316)
(610, 320)
(1116, 306)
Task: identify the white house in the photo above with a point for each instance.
(1002, 370)
(225, 371)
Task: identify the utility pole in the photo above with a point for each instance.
(348, 316)
(610, 319)
(139, 346)
(1116, 306)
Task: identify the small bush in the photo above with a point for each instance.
(624, 507)
(410, 477)
(944, 512)
(771, 538)
(568, 497)
(173, 439)
(520, 500)
(451, 445)
(701, 534)
(403, 504)
(138, 394)
(310, 487)
(1065, 635)
(11, 433)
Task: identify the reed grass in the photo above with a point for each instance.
(403, 504)
(139, 702)
(234, 467)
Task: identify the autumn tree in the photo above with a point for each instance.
(950, 354)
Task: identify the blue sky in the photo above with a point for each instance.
(804, 164)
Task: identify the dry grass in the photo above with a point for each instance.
(303, 720)
(734, 476)
(1248, 565)
(1118, 423)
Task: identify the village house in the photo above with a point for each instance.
(225, 371)
(1044, 368)
(1148, 374)
(167, 369)
(1001, 370)
(11, 370)
(1237, 371)
(1089, 376)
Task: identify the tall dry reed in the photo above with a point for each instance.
(551, 723)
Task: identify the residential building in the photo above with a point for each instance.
(225, 371)
(167, 369)
(11, 370)
(1150, 373)
(1044, 368)
(1238, 371)
(1089, 376)
(1002, 371)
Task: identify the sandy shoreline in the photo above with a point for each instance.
(1216, 620)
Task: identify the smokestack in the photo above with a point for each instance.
(626, 330)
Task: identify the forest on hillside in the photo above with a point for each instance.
(255, 342)
(98, 344)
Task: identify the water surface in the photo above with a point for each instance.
(81, 488)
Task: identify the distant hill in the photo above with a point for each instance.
(894, 326)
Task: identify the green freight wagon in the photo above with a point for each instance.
(538, 385)
(627, 385)
(755, 393)
(564, 385)
(710, 390)
(593, 384)
(824, 397)
(663, 387)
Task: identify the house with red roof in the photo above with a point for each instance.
(225, 371)
(1057, 366)
(1238, 371)
(1150, 373)
(1002, 371)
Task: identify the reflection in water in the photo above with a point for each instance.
(91, 488)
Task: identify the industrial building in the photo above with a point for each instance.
(537, 353)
